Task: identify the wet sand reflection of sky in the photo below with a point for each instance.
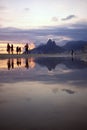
(50, 95)
(46, 70)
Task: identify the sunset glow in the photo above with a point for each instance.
(31, 63)
(3, 46)
(37, 20)
(31, 46)
(43, 64)
(17, 63)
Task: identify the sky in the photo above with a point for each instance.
(38, 20)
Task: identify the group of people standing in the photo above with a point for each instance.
(18, 50)
(10, 49)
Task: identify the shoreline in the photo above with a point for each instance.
(6, 56)
(82, 56)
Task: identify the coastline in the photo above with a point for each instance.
(82, 56)
(6, 56)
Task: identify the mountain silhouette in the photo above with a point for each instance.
(52, 48)
(49, 48)
(75, 45)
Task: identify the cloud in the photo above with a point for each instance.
(1, 24)
(55, 90)
(69, 17)
(54, 19)
(80, 25)
(76, 31)
(27, 9)
(3, 8)
(69, 91)
(4, 19)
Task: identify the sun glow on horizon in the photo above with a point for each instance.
(31, 46)
(31, 63)
(3, 46)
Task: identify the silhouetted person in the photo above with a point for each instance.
(8, 48)
(72, 52)
(17, 49)
(12, 49)
(27, 64)
(26, 48)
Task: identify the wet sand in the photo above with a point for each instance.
(48, 96)
(3, 56)
(31, 55)
(82, 56)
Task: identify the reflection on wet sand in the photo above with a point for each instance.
(70, 63)
(49, 63)
(46, 70)
(18, 62)
(31, 99)
(27, 63)
(10, 64)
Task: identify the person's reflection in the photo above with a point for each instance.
(26, 63)
(18, 61)
(10, 64)
(49, 68)
(72, 59)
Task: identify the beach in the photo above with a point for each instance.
(42, 92)
(82, 56)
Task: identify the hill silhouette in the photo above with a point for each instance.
(49, 48)
(52, 48)
(75, 45)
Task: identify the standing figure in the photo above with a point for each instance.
(12, 49)
(8, 48)
(17, 49)
(26, 48)
(72, 52)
